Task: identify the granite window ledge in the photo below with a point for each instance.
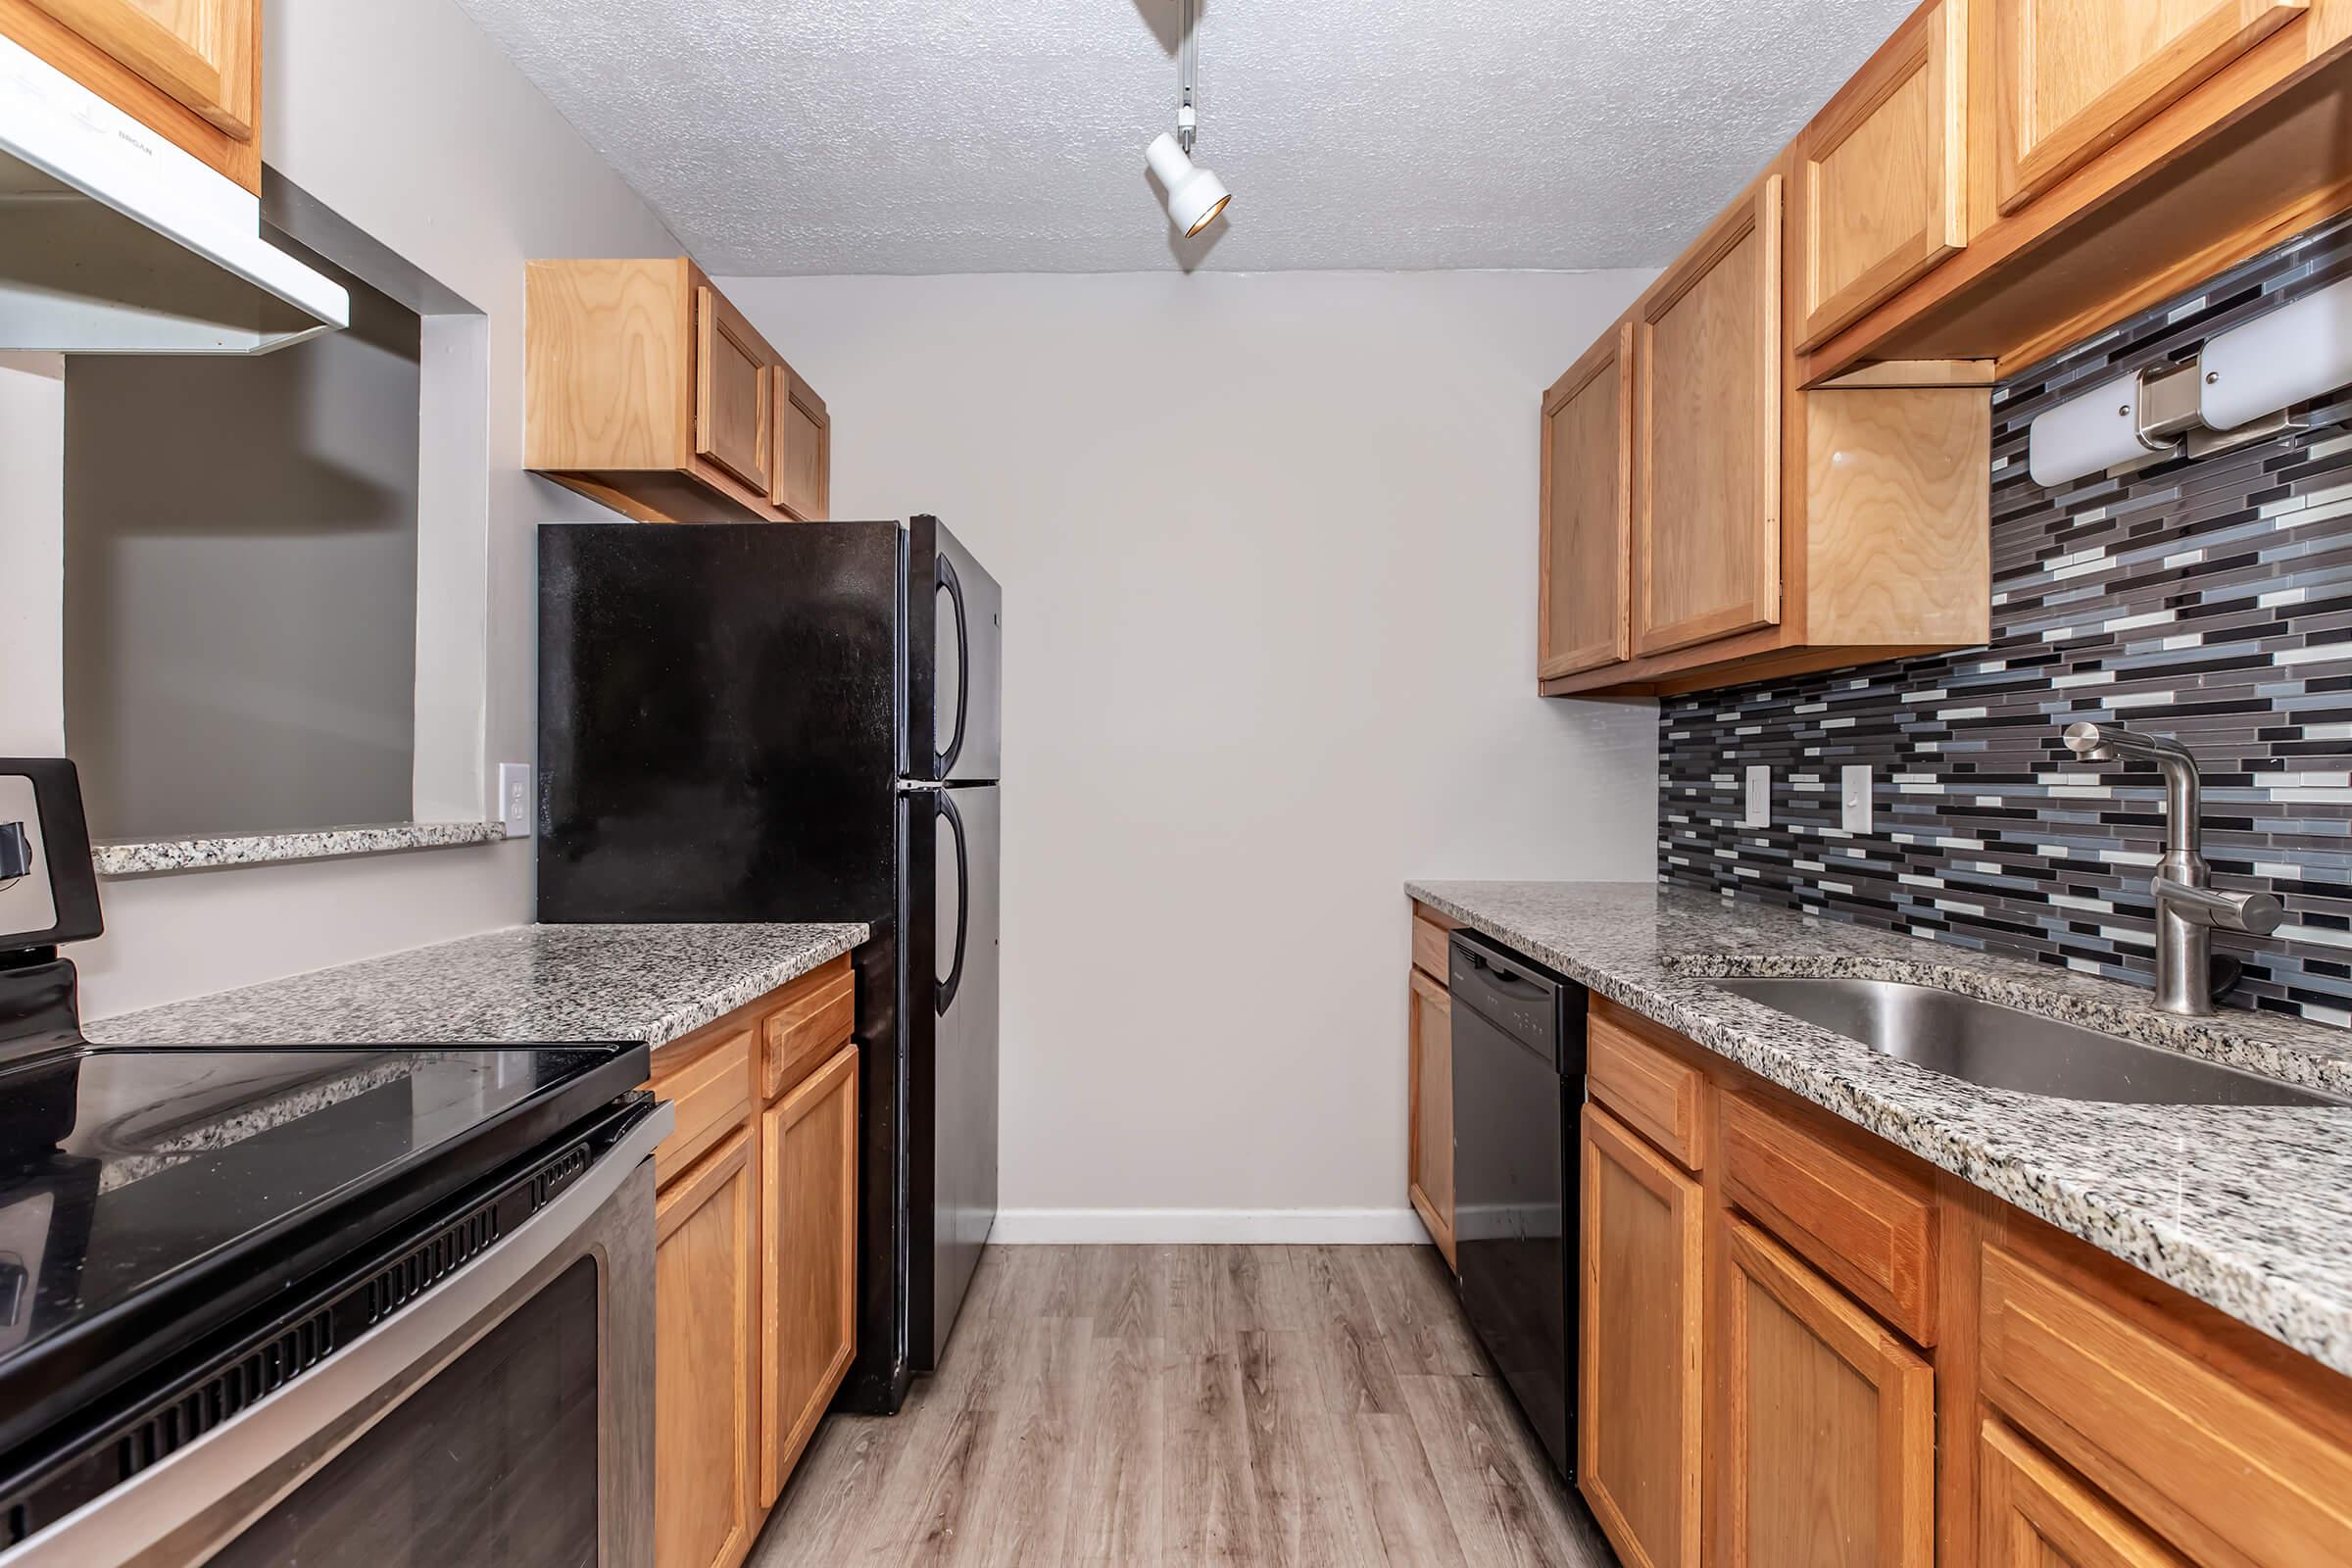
(156, 857)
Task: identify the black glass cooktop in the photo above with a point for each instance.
(150, 1197)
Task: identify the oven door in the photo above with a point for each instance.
(500, 1413)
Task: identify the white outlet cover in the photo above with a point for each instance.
(1759, 797)
(1854, 797)
(515, 799)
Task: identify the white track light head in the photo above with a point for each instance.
(1196, 196)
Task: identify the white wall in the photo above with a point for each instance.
(1268, 552)
(32, 553)
(408, 122)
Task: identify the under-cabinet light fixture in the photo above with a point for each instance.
(1194, 195)
(2276, 361)
(2237, 390)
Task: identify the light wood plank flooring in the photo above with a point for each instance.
(1138, 1405)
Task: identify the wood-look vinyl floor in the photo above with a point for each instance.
(1127, 1406)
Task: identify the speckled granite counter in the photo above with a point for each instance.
(2247, 1209)
(525, 985)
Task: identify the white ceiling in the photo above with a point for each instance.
(784, 136)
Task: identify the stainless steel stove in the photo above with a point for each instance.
(290, 1303)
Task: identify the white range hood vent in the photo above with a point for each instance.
(115, 241)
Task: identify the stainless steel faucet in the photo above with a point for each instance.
(2188, 909)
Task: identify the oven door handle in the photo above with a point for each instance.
(190, 1503)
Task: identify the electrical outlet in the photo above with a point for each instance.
(515, 799)
(1854, 797)
(1759, 797)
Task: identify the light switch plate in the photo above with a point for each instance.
(515, 799)
(1854, 797)
(1759, 797)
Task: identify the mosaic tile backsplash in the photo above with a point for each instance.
(2209, 600)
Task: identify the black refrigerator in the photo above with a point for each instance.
(800, 721)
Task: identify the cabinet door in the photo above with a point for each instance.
(730, 391)
(706, 1367)
(809, 1191)
(1829, 1431)
(1429, 1140)
(1588, 509)
(1708, 426)
(199, 53)
(1637, 1432)
(2036, 1515)
(1883, 172)
(804, 448)
(2072, 78)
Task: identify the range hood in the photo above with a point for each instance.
(115, 241)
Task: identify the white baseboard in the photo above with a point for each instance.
(1357, 1227)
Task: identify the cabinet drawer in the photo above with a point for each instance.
(1661, 1096)
(1429, 947)
(2211, 1464)
(710, 1081)
(818, 1013)
(1865, 1225)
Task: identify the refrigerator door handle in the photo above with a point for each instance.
(945, 579)
(948, 988)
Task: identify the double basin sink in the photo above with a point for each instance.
(2003, 1047)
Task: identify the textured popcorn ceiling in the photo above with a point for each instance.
(781, 136)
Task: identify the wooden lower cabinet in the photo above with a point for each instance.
(706, 1362)
(2057, 1408)
(755, 1259)
(1429, 1152)
(1827, 1437)
(2038, 1515)
(808, 1186)
(1639, 1377)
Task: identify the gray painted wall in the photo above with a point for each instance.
(242, 581)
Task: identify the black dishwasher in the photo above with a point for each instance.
(1518, 1079)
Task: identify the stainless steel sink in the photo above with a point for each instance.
(2002, 1048)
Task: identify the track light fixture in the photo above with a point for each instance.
(1195, 195)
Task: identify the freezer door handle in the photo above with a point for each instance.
(963, 900)
(952, 587)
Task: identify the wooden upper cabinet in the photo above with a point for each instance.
(189, 70)
(1639, 1377)
(706, 1362)
(1707, 421)
(1882, 173)
(1587, 520)
(198, 52)
(731, 381)
(2072, 78)
(2035, 1514)
(648, 390)
(2118, 152)
(804, 447)
(1827, 1436)
(1429, 1137)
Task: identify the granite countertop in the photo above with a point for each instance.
(2247, 1209)
(522, 986)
